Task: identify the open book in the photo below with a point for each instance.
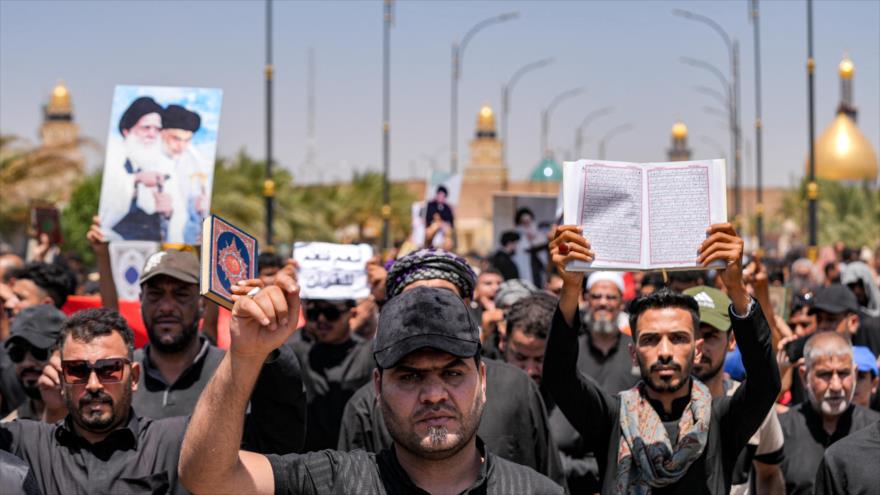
(644, 216)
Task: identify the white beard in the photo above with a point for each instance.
(142, 157)
(825, 407)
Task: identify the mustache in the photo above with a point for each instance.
(31, 369)
(426, 411)
(670, 365)
(99, 396)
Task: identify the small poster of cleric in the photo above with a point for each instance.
(332, 271)
(127, 259)
(159, 166)
(442, 191)
(229, 255)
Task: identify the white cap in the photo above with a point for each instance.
(614, 277)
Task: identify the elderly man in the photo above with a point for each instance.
(604, 349)
(667, 434)
(764, 451)
(514, 424)
(829, 415)
(430, 384)
(34, 334)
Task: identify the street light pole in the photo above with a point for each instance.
(386, 123)
(579, 132)
(759, 151)
(733, 98)
(545, 117)
(457, 55)
(506, 90)
(269, 183)
(812, 186)
(608, 135)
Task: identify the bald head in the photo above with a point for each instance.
(826, 344)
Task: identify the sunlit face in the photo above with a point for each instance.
(526, 352)
(802, 322)
(27, 294)
(665, 348)
(175, 141)
(95, 406)
(830, 384)
(716, 345)
(146, 130)
(605, 301)
(170, 309)
(432, 402)
(487, 285)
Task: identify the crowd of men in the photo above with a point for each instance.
(451, 377)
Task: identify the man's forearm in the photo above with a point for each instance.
(209, 454)
(769, 479)
(106, 286)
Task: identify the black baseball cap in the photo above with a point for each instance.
(834, 299)
(39, 325)
(425, 317)
(182, 265)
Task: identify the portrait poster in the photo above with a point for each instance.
(127, 259)
(506, 206)
(332, 271)
(442, 191)
(159, 165)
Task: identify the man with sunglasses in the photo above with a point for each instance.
(103, 445)
(34, 332)
(336, 362)
(179, 361)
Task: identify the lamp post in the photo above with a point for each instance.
(547, 112)
(506, 90)
(388, 19)
(579, 132)
(608, 135)
(759, 143)
(733, 94)
(457, 55)
(812, 186)
(269, 184)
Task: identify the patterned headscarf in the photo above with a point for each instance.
(646, 458)
(427, 264)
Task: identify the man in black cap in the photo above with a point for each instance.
(179, 362)
(514, 425)
(430, 384)
(33, 335)
(188, 177)
(137, 202)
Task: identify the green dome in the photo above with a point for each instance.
(547, 171)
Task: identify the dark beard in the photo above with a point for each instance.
(711, 373)
(178, 343)
(664, 387)
(118, 413)
(32, 392)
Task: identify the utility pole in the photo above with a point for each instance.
(269, 184)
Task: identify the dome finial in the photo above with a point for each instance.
(846, 67)
(679, 130)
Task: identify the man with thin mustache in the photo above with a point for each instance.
(828, 373)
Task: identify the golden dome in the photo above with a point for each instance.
(843, 153)
(679, 130)
(486, 119)
(59, 100)
(846, 68)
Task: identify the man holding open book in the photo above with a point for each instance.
(667, 434)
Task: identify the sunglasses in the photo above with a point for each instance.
(331, 313)
(18, 351)
(78, 371)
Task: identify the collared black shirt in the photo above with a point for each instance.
(806, 441)
(514, 423)
(364, 473)
(850, 465)
(11, 393)
(613, 371)
(140, 457)
(276, 421)
(595, 414)
(333, 373)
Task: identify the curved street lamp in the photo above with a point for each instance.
(506, 91)
(610, 134)
(457, 55)
(579, 132)
(547, 112)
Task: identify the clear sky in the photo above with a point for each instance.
(625, 53)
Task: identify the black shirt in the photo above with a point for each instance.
(806, 441)
(868, 334)
(11, 393)
(276, 422)
(365, 473)
(514, 423)
(16, 477)
(850, 465)
(614, 371)
(140, 457)
(595, 414)
(333, 375)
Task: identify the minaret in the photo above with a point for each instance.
(485, 151)
(679, 151)
(58, 128)
(846, 70)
